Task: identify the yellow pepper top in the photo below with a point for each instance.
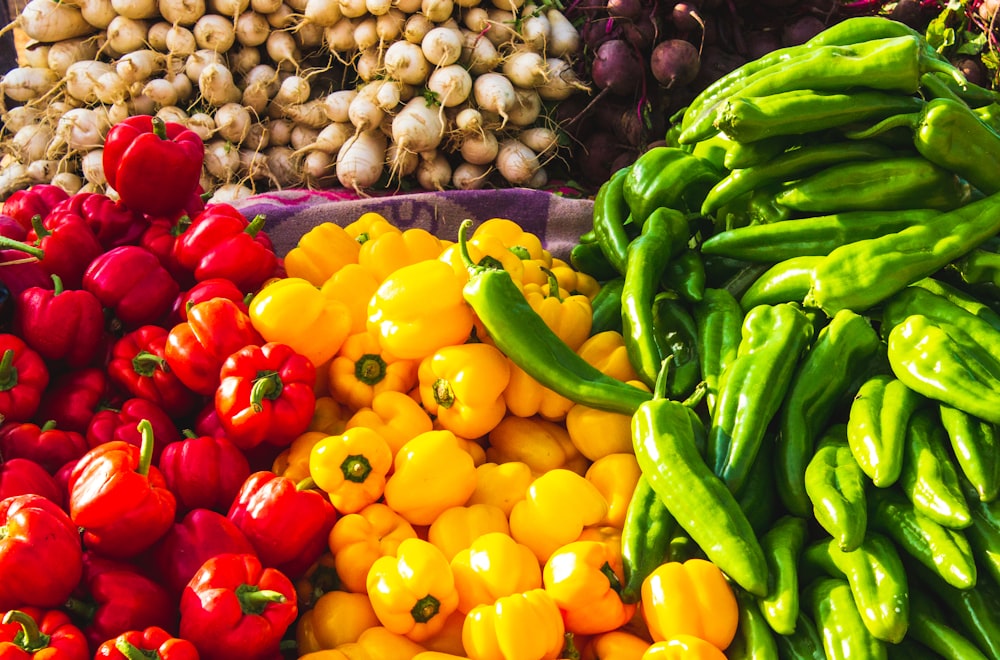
(462, 386)
(358, 539)
(321, 252)
(387, 253)
(362, 368)
(526, 625)
(494, 565)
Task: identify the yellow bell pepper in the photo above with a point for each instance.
(321, 252)
(351, 468)
(521, 626)
(494, 565)
(414, 592)
(462, 386)
(558, 506)
(690, 598)
(584, 579)
(380, 642)
(602, 534)
(501, 484)
(354, 285)
(524, 243)
(606, 352)
(485, 249)
(526, 397)
(385, 254)
(596, 433)
(431, 473)
(362, 368)
(339, 617)
(542, 444)
(683, 647)
(320, 578)
(420, 309)
(448, 640)
(573, 280)
(615, 645)
(329, 654)
(473, 447)
(456, 528)
(369, 226)
(569, 316)
(616, 476)
(396, 416)
(329, 417)
(438, 655)
(294, 312)
(358, 539)
(293, 461)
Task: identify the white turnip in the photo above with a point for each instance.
(361, 160)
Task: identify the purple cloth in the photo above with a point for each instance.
(557, 220)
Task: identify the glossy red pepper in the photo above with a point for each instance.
(197, 348)
(131, 282)
(204, 472)
(47, 445)
(221, 243)
(160, 238)
(23, 205)
(112, 222)
(153, 642)
(153, 165)
(122, 423)
(67, 243)
(214, 287)
(22, 271)
(41, 560)
(138, 364)
(11, 228)
(23, 378)
(198, 536)
(32, 632)
(119, 499)
(61, 324)
(266, 394)
(114, 597)
(287, 527)
(73, 398)
(21, 476)
(235, 606)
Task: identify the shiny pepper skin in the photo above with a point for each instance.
(463, 387)
(525, 625)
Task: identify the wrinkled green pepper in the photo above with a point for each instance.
(841, 626)
(718, 319)
(835, 485)
(876, 427)
(677, 338)
(976, 447)
(646, 536)
(667, 177)
(606, 307)
(782, 545)
(784, 282)
(929, 477)
(928, 628)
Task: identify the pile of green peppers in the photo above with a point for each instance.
(807, 278)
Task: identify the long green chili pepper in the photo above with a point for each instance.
(832, 605)
(663, 439)
(524, 337)
(976, 447)
(782, 545)
(973, 95)
(753, 387)
(804, 643)
(668, 177)
(979, 267)
(929, 477)
(984, 533)
(910, 649)
(646, 536)
(741, 155)
(719, 320)
(610, 219)
(685, 276)
(758, 499)
(677, 337)
(606, 307)
(975, 612)
(754, 638)
(835, 485)
(967, 302)
(939, 307)
(589, 258)
(876, 427)
(928, 628)
(785, 282)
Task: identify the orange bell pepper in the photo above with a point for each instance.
(456, 528)
(362, 368)
(569, 316)
(683, 647)
(321, 252)
(354, 285)
(596, 433)
(420, 309)
(338, 617)
(462, 386)
(615, 645)
(396, 416)
(526, 626)
(370, 225)
(584, 579)
(542, 444)
(431, 473)
(293, 461)
(494, 565)
(557, 507)
(501, 484)
(414, 592)
(385, 254)
(690, 598)
(616, 476)
(351, 468)
(380, 642)
(358, 539)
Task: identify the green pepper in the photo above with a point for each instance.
(928, 628)
(979, 267)
(804, 643)
(753, 386)
(835, 485)
(677, 338)
(667, 177)
(984, 532)
(606, 307)
(842, 629)
(741, 155)
(758, 498)
(939, 308)
(943, 362)
(840, 357)
(718, 320)
(814, 236)
(664, 235)
(976, 448)
(973, 95)
(664, 441)
(782, 545)
(945, 551)
(967, 302)
(784, 282)
(862, 274)
(589, 258)
(646, 536)
(685, 276)
(929, 477)
(910, 649)
(754, 638)
(523, 336)
(975, 612)
(876, 427)
(754, 208)
(611, 217)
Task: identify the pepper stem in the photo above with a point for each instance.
(133, 652)
(553, 284)
(159, 128)
(40, 229)
(425, 609)
(616, 584)
(57, 285)
(267, 385)
(570, 652)
(146, 448)
(663, 377)
(8, 372)
(255, 225)
(81, 610)
(48, 426)
(356, 468)
(370, 369)
(444, 395)
(695, 398)
(29, 639)
(910, 120)
(10, 243)
(305, 484)
(145, 363)
(463, 245)
(254, 600)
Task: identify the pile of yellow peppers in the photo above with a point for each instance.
(479, 513)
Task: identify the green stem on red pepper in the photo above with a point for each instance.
(146, 448)
(8, 372)
(133, 652)
(256, 224)
(254, 600)
(267, 385)
(30, 639)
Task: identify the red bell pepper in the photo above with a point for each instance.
(138, 364)
(130, 281)
(67, 243)
(47, 445)
(214, 287)
(204, 472)
(73, 398)
(194, 539)
(21, 476)
(197, 348)
(160, 238)
(119, 499)
(22, 271)
(23, 378)
(39, 199)
(154, 643)
(11, 228)
(288, 527)
(41, 560)
(207, 422)
(32, 632)
(61, 325)
(114, 597)
(154, 166)
(266, 394)
(221, 243)
(122, 423)
(112, 222)
(233, 606)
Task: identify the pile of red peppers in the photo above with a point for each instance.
(138, 515)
